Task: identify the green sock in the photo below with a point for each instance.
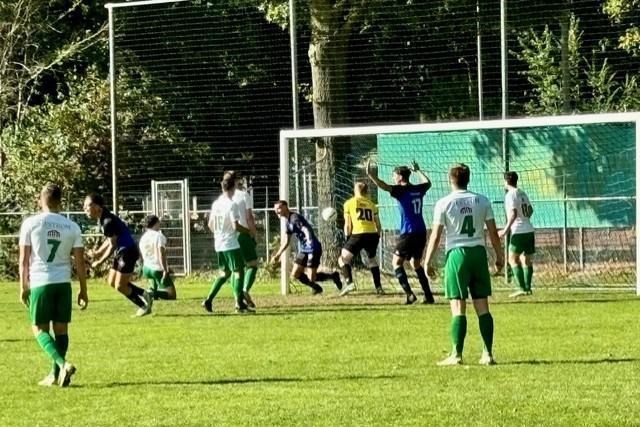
(528, 276)
(236, 285)
(458, 333)
(518, 274)
(249, 277)
(486, 330)
(62, 344)
(48, 344)
(215, 287)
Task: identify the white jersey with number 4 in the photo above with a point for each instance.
(463, 214)
(224, 212)
(150, 240)
(244, 200)
(518, 200)
(51, 237)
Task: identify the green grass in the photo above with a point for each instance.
(565, 358)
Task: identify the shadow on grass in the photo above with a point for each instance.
(606, 360)
(14, 340)
(239, 381)
(563, 301)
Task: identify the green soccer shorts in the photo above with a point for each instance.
(522, 243)
(155, 278)
(247, 247)
(50, 303)
(467, 272)
(231, 260)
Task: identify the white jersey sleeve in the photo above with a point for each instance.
(517, 200)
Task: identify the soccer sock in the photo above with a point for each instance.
(49, 346)
(250, 278)
(158, 294)
(236, 286)
(486, 330)
(375, 272)
(215, 287)
(304, 279)
(135, 294)
(518, 274)
(62, 344)
(424, 283)
(528, 276)
(346, 272)
(321, 277)
(458, 333)
(401, 275)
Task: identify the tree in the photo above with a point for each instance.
(626, 12)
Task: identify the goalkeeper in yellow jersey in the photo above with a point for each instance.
(362, 229)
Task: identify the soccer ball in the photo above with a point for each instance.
(329, 214)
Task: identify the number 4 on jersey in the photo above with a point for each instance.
(467, 226)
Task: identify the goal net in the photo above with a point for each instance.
(579, 172)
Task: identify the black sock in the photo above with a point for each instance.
(424, 283)
(160, 294)
(346, 272)
(304, 279)
(375, 272)
(135, 294)
(321, 277)
(401, 275)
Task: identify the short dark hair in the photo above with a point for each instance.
(362, 187)
(460, 174)
(52, 193)
(403, 171)
(96, 199)
(228, 184)
(233, 175)
(511, 177)
(151, 221)
(281, 202)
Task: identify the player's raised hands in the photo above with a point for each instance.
(415, 166)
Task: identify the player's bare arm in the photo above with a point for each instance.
(377, 221)
(432, 247)
(240, 228)
(25, 255)
(251, 222)
(104, 251)
(495, 242)
(78, 256)
(424, 179)
(276, 257)
(513, 215)
(348, 226)
(380, 183)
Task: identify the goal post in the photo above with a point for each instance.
(579, 171)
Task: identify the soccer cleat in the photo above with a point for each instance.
(411, 298)
(336, 279)
(143, 311)
(517, 294)
(48, 381)
(148, 299)
(429, 300)
(529, 292)
(66, 371)
(451, 360)
(316, 290)
(242, 309)
(248, 300)
(207, 305)
(349, 288)
(379, 291)
(487, 360)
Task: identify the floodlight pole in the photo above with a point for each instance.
(479, 59)
(284, 191)
(112, 108)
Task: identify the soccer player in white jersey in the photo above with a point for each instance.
(46, 243)
(224, 222)
(153, 247)
(463, 215)
(522, 244)
(244, 199)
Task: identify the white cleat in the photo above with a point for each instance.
(48, 381)
(452, 360)
(487, 360)
(517, 294)
(66, 371)
(349, 288)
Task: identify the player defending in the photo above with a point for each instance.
(362, 228)
(309, 250)
(153, 248)
(413, 231)
(463, 215)
(244, 200)
(224, 222)
(522, 244)
(46, 243)
(121, 243)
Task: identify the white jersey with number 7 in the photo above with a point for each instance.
(51, 237)
(463, 214)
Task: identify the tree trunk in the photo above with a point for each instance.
(327, 56)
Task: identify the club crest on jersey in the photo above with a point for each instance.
(54, 234)
(466, 210)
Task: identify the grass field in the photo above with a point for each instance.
(565, 359)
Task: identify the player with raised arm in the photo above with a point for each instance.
(362, 229)
(224, 222)
(153, 248)
(46, 243)
(120, 242)
(522, 243)
(462, 215)
(309, 250)
(244, 199)
(413, 231)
